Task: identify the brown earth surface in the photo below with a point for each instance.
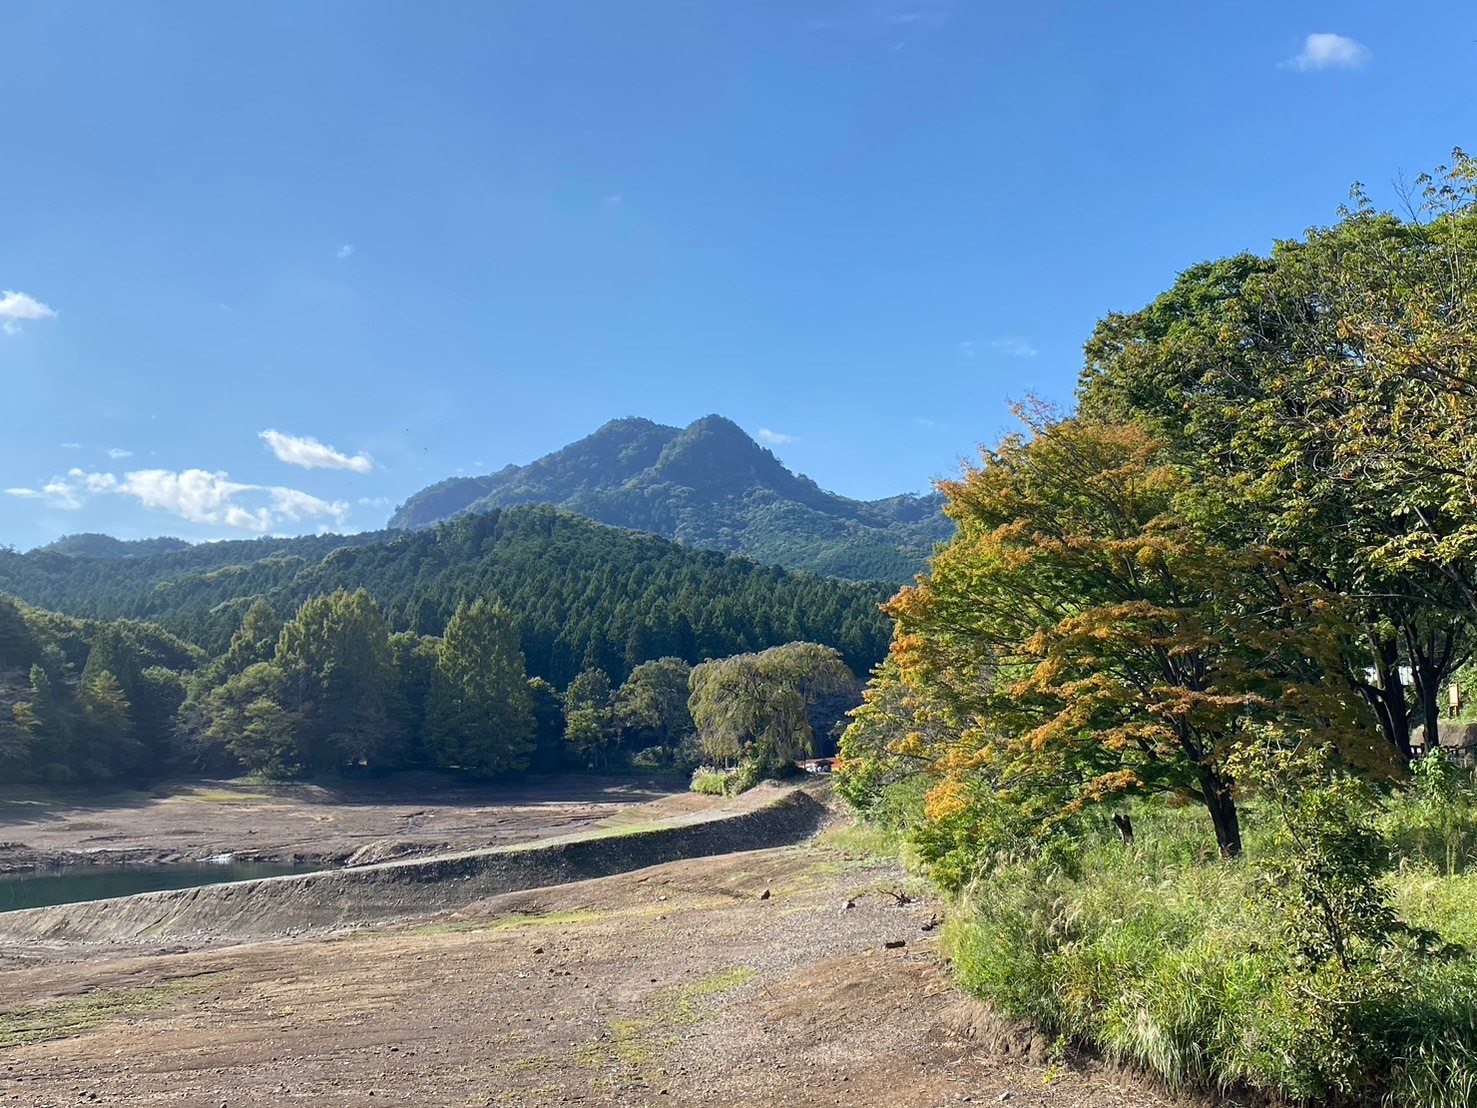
(311, 823)
(800, 975)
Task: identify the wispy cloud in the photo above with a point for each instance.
(1010, 347)
(615, 200)
(309, 453)
(899, 22)
(774, 438)
(1329, 51)
(197, 495)
(374, 502)
(17, 308)
(344, 252)
(115, 453)
(71, 446)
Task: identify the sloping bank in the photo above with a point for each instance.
(276, 906)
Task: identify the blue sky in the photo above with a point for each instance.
(273, 267)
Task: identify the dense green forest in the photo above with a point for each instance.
(501, 642)
(1159, 712)
(707, 485)
(332, 690)
(584, 595)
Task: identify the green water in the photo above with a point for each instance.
(72, 884)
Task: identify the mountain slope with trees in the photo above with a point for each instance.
(583, 594)
(708, 485)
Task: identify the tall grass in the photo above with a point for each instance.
(1166, 956)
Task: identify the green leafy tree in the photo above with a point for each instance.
(589, 719)
(549, 752)
(1320, 398)
(754, 707)
(652, 703)
(480, 714)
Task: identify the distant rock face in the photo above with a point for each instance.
(708, 484)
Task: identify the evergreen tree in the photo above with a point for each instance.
(334, 656)
(255, 640)
(480, 713)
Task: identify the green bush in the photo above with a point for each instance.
(713, 782)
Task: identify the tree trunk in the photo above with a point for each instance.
(1216, 789)
(1387, 696)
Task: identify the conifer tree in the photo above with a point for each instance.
(479, 717)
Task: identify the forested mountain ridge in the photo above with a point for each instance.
(583, 594)
(708, 485)
(106, 546)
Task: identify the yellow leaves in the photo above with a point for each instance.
(945, 801)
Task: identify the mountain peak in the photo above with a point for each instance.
(707, 484)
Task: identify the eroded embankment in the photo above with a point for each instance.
(397, 890)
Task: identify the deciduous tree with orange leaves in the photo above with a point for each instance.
(1089, 644)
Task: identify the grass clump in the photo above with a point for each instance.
(72, 1015)
(1202, 971)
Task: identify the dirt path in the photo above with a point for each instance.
(679, 984)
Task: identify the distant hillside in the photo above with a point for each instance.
(583, 593)
(708, 485)
(92, 545)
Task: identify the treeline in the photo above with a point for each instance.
(332, 690)
(1237, 581)
(584, 596)
(87, 701)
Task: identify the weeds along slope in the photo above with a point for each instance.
(1164, 955)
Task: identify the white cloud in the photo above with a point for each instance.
(615, 200)
(308, 452)
(115, 453)
(71, 446)
(196, 495)
(374, 501)
(344, 252)
(774, 438)
(1010, 347)
(1328, 51)
(16, 307)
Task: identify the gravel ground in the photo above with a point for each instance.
(793, 976)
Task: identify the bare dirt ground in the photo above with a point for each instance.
(678, 984)
(310, 823)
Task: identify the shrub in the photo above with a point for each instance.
(713, 782)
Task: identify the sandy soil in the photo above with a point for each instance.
(309, 823)
(679, 984)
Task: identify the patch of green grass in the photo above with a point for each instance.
(220, 796)
(685, 1003)
(67, 1016)
(631, 1043)
(862, 841)
(510, 922)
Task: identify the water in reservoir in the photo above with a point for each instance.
(71, 884)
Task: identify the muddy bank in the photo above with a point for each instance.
(397, 890)
(312, 823)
